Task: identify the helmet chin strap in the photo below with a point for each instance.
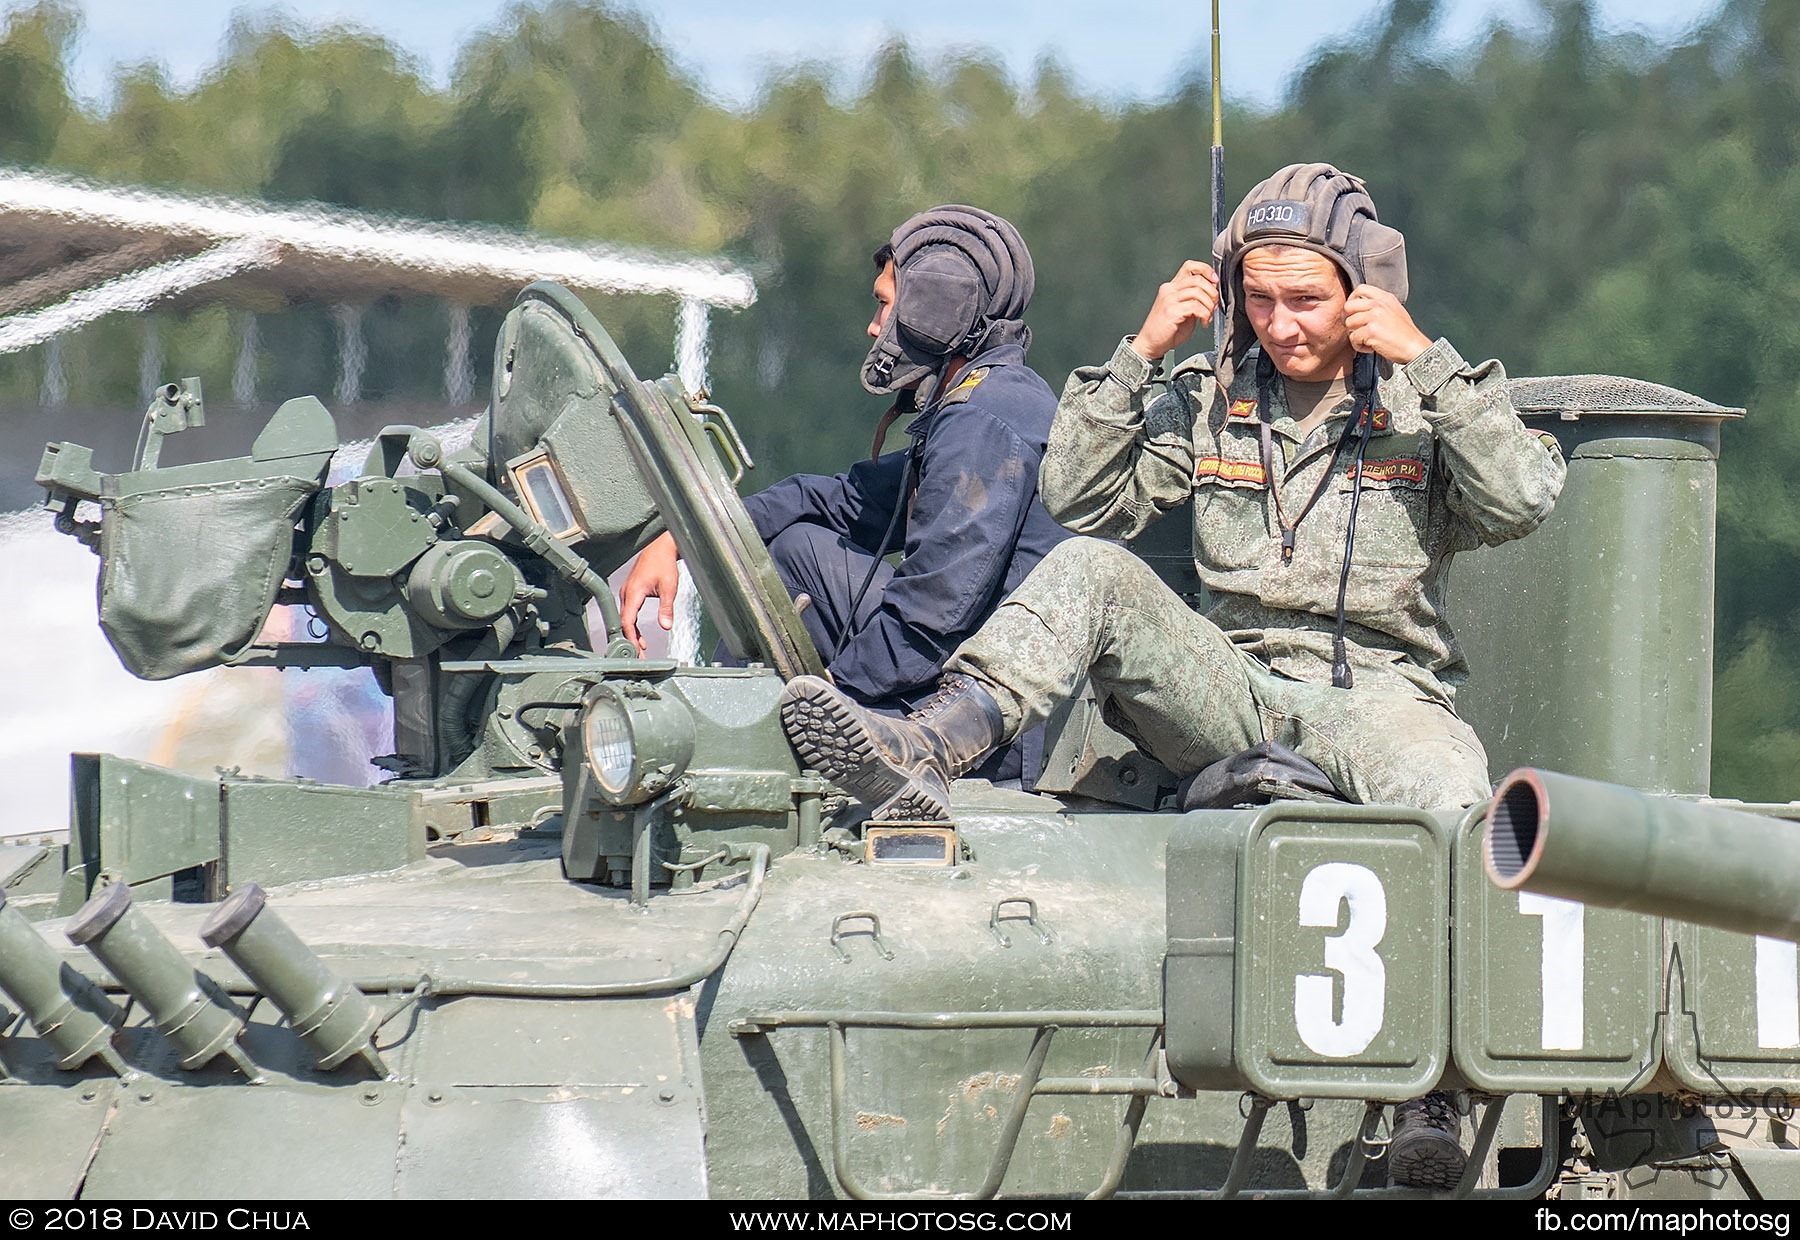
(905, 402)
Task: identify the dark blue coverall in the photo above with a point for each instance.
(974, 529)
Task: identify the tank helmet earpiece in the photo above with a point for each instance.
(1315, 207)
(963, 279)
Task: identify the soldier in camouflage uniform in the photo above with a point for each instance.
(1436, 464)
(1337, 464)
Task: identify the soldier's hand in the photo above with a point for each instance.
(1182, 304)
(1379, 324)
(655, 575)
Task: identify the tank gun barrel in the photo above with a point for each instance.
(1580, 839)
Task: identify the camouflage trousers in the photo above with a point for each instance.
(1189, 697)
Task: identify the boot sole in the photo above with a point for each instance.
(824, 729)
(1427, 1163)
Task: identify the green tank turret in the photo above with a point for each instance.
(600, 933)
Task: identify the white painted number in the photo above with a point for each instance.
(1777, 995)
(1561, 969)
(1351, 955)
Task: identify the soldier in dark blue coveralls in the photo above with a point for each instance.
(960, 504)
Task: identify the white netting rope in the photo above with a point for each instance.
(691, 345)
(150, 358)
(690, 365)
(55, 390)
(243, 376)
(138, 291)
(353, 352)
(684, 638)
(459, 358)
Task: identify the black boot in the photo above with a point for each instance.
(901, 768)
(1426, 1151)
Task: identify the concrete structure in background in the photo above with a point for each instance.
(72, 252)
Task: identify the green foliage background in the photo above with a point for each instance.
(1573, 202)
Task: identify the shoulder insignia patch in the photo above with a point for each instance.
(962, 390)
(1230, 473)
(1242, 409)
(1383, 419)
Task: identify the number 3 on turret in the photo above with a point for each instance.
(1340, 1015)
(1343, 976)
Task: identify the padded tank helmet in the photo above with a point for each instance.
(963, 278)
(1315, 207)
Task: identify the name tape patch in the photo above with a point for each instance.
(1392, 469)
(1231, 473)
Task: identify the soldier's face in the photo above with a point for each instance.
(1295, 302)
(884, 300)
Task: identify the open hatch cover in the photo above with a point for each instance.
(628, 452)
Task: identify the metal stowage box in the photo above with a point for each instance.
(1308, 951)
(1551, 994)
(1733, 1013)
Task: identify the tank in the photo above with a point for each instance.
(599, 933)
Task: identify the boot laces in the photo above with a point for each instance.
(949, 689)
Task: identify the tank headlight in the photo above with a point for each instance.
(611, 752)
(638, 740)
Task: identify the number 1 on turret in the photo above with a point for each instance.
(1562, 969)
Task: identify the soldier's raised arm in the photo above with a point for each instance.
(1503, 477)
(1116, 458)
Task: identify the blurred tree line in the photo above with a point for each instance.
(1573, 202)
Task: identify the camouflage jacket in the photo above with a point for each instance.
(1449, 467)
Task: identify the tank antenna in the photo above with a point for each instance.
(1218, 166)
